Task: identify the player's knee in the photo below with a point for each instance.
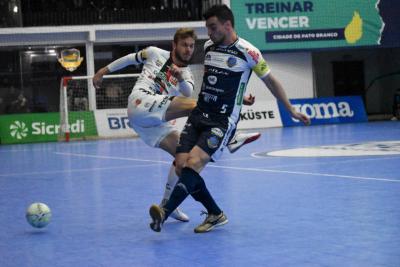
(194, 163)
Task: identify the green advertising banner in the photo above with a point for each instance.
(281, 25)
(43, 127)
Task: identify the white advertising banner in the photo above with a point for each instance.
(262, 114)
(113, 123)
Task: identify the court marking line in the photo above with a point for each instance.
(76, 170)
(242, 168)
(324, 163)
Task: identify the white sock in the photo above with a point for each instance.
(171, 182)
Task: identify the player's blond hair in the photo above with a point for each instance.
(183, 33)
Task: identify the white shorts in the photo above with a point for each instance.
(146, 112)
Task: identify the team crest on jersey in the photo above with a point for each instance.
(208, 57)
(217, 132)
(232, 61)
(213, 142)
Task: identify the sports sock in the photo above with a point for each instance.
(200, 192)
(171, 181)
(178, 195)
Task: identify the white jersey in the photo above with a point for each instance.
(155, 74)
(151, 94)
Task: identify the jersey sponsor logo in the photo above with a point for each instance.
(379, 148)
(217, 71)
(212, 79)
(218, 132)
(254, 55)
(226, 50)
(159, 63)
(209, 97)
(232, 61)
(211, 88)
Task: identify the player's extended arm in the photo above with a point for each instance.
(277, 90)
(131, 59)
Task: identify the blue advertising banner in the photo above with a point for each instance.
(326, 110)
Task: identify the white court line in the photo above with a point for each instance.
(108, 157)
(75, 170)
(244, 169)
(309, 173)
(323, 163)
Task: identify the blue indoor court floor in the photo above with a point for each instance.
(285, 209)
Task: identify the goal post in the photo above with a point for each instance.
(79, 103)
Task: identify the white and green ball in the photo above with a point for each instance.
(38, 215)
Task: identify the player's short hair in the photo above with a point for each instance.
(183, 33)
(222, 12)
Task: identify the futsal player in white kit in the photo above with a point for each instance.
(161, 94)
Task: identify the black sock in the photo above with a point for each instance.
(200, 192)
(178, 195)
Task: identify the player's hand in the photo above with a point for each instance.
(176, 72)
(301, 117)
(249, 100)
(98, 77)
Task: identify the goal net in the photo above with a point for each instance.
(81, 103)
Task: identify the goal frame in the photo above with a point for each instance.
(92, 105)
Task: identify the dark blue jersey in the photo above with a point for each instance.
(227, 70)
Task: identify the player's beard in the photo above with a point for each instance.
(184, 61)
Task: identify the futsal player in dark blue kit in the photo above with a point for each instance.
(229, 62)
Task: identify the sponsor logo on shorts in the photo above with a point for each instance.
(218, 132)
(213, 142)
(163, 102)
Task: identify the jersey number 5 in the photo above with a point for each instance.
(223, 108)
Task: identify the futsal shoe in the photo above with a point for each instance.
(177, 214)
(242, 139)
(211, 222)
(157, 214)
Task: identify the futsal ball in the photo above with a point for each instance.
(38, 215)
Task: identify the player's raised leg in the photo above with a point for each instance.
(179, 107)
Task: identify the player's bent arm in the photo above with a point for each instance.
(186, 88)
